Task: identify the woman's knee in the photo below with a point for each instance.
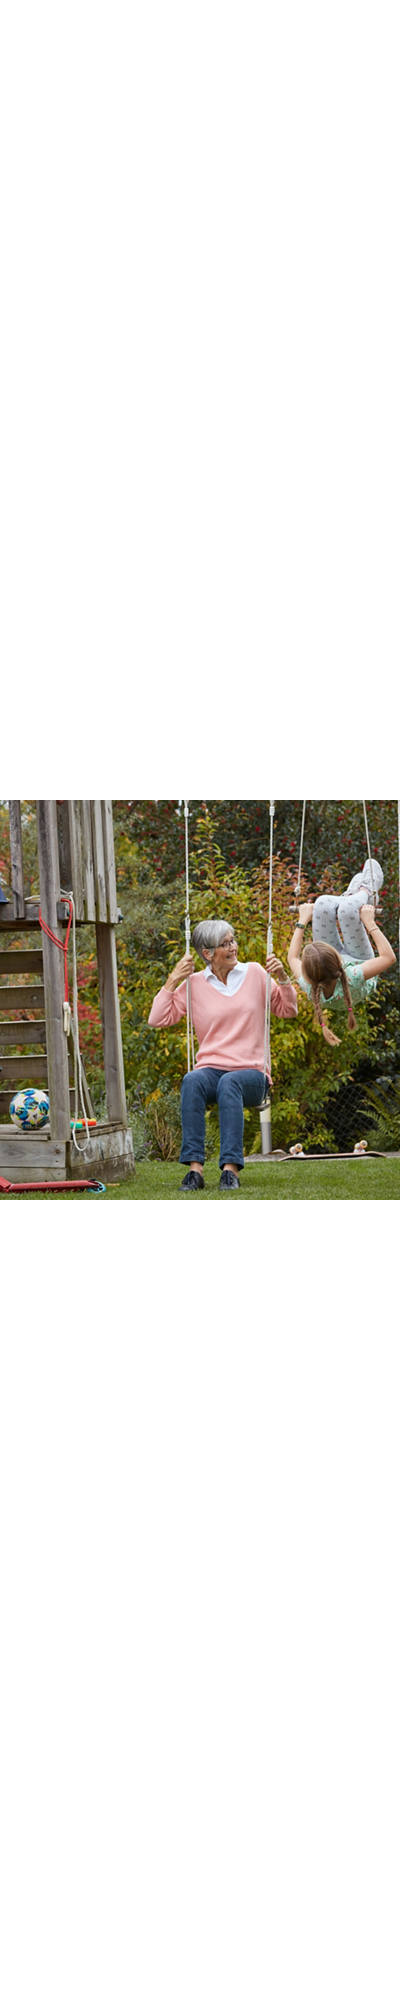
(228, 1085)
(192, 1091)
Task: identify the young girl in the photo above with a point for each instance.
(341, 957)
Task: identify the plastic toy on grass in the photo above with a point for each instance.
(30, 1109)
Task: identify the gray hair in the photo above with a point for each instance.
(207, 936)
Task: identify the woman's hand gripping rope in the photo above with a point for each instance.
(183, 970)
(275, 968)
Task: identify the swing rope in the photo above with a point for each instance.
(78, 1079)
(267, 1024)
(189, 1017)
(373, 891)
(62, 945)
(398, 824)
(298, 883)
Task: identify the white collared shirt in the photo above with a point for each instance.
(234, 980)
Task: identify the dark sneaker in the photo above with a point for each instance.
(192, 1184)
(229, 1183)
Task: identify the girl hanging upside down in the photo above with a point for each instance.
(341, 957)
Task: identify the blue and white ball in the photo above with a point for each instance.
(29, 1109)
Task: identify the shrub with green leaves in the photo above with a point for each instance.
(383, 1111)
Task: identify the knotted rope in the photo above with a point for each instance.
(267, 1025)
(189, 1017)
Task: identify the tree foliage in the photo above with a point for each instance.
(334, 839)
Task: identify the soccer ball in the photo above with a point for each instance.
(29, 1109)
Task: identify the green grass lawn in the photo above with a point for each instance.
(302, 1180)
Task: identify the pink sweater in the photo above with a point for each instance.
(229, 1027)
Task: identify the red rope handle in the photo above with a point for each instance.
(62, 943)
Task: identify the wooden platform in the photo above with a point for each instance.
(110, 1155)
(35, 1156)
(30, 1156)
(30, 920)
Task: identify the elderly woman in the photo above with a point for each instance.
(228, 1010)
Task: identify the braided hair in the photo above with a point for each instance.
(321, 964)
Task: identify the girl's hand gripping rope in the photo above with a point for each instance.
(305, 913)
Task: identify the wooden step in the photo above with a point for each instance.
(15, 1070)
(12, 997)
(30, 922)
(17, 1073)
(20, 961)
(15, 1033)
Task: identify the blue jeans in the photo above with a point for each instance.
(230, 1089)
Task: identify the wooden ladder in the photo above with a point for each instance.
(23, 1041)
(23, 1045)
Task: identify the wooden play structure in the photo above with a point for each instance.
(75, 855)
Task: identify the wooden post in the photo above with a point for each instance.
(87, 863)
(98, 859)
(109, 861)
(64, 844)
(110, 1015)
(75, 835)
(53, 970)
(17, 865)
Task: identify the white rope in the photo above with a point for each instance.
(298, 883)
(189, 1018)
(398, 823)
(267, 1027)
(373, 891)
(78, 1078)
